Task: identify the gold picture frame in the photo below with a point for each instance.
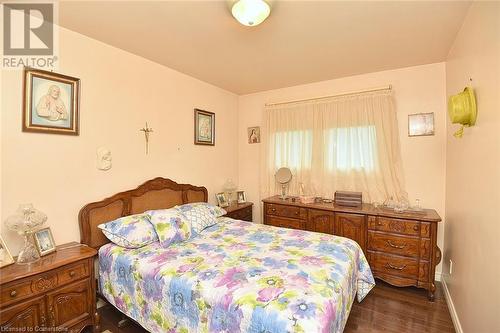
(5, 256)
(44, 241)
(50, 103)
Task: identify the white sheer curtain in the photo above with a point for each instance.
(342, 143)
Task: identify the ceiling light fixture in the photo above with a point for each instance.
(251, 12)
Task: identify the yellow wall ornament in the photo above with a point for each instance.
(462, 110)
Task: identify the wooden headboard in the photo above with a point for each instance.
(158, 193)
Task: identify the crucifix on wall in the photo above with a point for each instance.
(147, 130)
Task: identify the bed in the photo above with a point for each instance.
(235, 276)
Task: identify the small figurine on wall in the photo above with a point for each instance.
(104, 159)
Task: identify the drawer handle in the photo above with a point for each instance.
(395, 246)
(273, 210)
(72, 273)
(296, 213)
(379, 223)
(13, 293)
(415, 227)
(400, 268)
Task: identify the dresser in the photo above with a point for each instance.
(401, 248)
(242, 211)
(56, 293)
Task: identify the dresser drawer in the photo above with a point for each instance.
(405, 227)
(73, 272)
(14, 291)
(286, 211)
(283, 222)
(395, 244)
(394, 265)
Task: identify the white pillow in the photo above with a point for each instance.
(200, 216)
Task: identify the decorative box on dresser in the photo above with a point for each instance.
(242, 211)
(400, 247)
(56, 293)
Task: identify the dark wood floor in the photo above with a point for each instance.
(386, 309)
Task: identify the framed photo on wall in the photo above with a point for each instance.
(44, 241)
(421, 124)
(204, 127)
(253, 134)
(51, 102)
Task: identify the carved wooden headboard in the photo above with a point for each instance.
(158, 193)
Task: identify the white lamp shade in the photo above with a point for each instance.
(251, 12)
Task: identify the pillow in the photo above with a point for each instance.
(171, 226)
(200, 216)
(214, 210)
(131, 232)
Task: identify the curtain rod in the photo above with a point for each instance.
(389, 87)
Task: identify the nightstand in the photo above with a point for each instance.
(241, 211)
(56, 293)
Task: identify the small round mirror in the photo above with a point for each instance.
(283, 176)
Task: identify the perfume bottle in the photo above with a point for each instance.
(417, 206)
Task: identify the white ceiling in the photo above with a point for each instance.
(300, 42)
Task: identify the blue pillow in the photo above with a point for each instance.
(132, 232)
(171, 226)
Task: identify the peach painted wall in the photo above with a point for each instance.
(119, 93)
(416, 89)
(473, 175)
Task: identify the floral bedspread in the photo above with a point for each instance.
(238, 277)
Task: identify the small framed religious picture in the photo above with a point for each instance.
(204, 128)
(242, 198)
(5, 256)
(50, 102)
(421, 124)
(222, 199)
(253, 134)
(44, 241)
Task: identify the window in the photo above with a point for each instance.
(293, 149)
(346, 149)
(341, 143)
(351, 148)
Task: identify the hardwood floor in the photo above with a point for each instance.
(394, 310)
(386, 309)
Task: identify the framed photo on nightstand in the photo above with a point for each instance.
(5, 256)
(44, 241)
(222, 199)
(242, 198)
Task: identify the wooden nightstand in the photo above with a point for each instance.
(56, 293)
(241, 211)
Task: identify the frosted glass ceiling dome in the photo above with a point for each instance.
(251, 12)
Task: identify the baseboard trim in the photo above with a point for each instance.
(451, 307)
(438, 276)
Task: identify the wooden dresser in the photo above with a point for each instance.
(56, 293)
(401, 248)
(241, 211)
